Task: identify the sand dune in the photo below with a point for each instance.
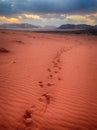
(48, 81)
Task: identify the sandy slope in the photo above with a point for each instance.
(48, 81)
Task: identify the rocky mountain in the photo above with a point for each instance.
(79, 26)
(22, 26)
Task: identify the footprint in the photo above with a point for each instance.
(58, 60)
(41, 84)
(51, 76)
(28, 114)
(59, 78)
(49, 84)
(26, 122)
(14, 62)
(59, 68)
(48, 98)
(49, 70)
(56, 72)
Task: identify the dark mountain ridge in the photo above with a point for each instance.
(78, 26)
(18, 26)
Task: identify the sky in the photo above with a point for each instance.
(48, 12)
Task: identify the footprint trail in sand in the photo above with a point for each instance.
(47, 97)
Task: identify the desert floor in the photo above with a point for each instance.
(47, 81)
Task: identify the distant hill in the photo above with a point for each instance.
(95, 26)
(64, 27)
(49, 27)
(79, 26)
(22, 26)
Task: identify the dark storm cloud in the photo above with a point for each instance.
(5, 8)
(11, 7)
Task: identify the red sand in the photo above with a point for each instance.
(48, 81)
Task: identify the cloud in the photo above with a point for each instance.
(79, 19)
(11, 7)
(51, 19)
(9, 20)
(51, 12)
(32, 16)
(5, 8)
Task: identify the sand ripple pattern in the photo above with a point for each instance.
(53, 86)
